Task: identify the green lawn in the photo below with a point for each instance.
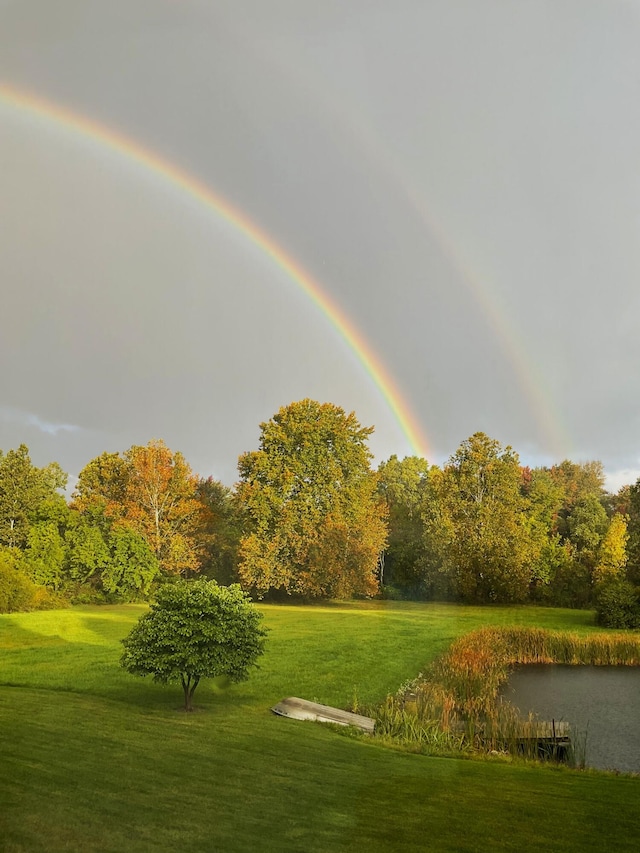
(93, 759)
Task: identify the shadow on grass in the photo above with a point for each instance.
(34, 661)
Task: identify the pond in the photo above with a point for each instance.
(601, 701)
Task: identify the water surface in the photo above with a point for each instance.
(603, 701)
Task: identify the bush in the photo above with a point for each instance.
(393, 593)
(20, 593)
(16, 590)
(617, 604)
(46, 599)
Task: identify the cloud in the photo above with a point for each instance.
(16, 416)
(616, 479)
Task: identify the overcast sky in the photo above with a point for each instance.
(461, 177)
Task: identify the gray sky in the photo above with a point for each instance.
(461, 178)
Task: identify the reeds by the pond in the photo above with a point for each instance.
(455, 706)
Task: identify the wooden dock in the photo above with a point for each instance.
(302, 709)
(545, 731)
(550, 740)
(546, 739)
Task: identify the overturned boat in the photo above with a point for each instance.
(302, 709)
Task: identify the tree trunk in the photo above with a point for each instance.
(189, 684)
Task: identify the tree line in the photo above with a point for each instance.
(311, 518)
(484, 528)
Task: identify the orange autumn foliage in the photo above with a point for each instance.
(153, 489)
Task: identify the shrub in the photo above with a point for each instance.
(617, 604)
(18, 592)
(393, 593)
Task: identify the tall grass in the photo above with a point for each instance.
(455, 706)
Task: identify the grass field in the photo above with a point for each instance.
(92, 759)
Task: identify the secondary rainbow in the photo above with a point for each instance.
(471, 271)
(115, 141)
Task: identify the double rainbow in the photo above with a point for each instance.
(25, 102)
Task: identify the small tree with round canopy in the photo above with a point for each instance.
(195, 629)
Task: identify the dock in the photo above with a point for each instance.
(546, 739)
(550, 740)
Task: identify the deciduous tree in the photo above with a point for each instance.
(578, 481)
(23, 488)
(87, 552)
(194, 630)
(315, 526)
(102, 486)
(44, 556)
(587, 526)
(132, 566)
(221, 530)
(633, 546)
(612, 555)
(154, 490)
(489, 555)
(402, 484)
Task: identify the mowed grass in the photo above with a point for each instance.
(92, 759)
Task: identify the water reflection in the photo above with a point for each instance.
(603, 701)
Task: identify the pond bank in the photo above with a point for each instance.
(456, 706)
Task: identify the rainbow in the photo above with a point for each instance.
(25, 102)
(478, 282)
